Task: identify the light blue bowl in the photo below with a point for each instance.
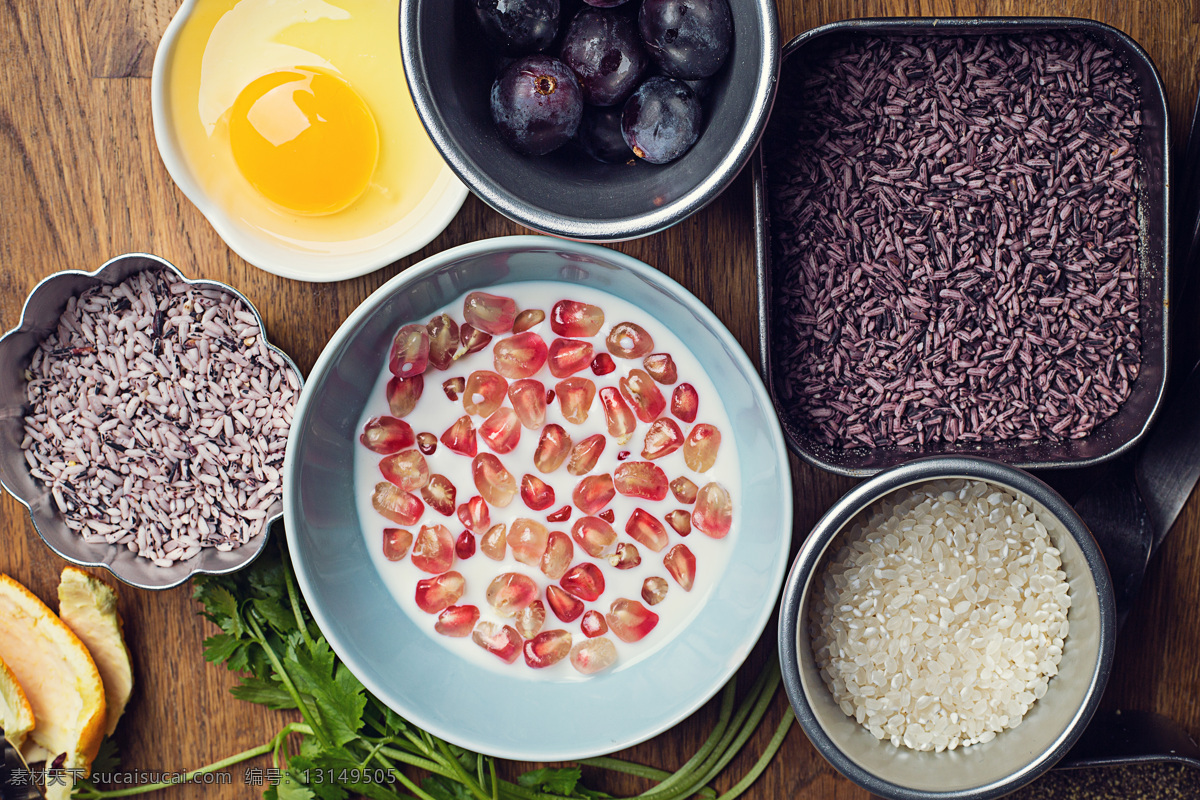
(482, 709)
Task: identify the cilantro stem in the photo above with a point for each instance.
(463, 776)
(492, 775)
(768, 753)
(416, 761)
(404, 779)
(294, 598)
(252, 620)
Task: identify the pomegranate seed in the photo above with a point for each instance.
(680, 562)
(528, 539)
(387, 435)
(568, 356)
(654, 590)
(464, 546)
(593, 655)
(460, 437)
(662, 438)
(536, 493)
(642, 393)
(443, 340)
(562, 515)
(553, 448)
(407, 470)
(607, 515)
(700, 449)
(439, 493)
(585, 454)
(547, 649)
(629, 340)
(681, 521)
(640, 479)
(603, 364)
(594, 492)
(530, 620)
(410, 351)
(624, 454)
(471, 340)
(457, 621)
(396, 504)
(593, 625)
(684, 490)
(549, 396)
(564, 606)
(626, 556)
(520, 356)
(396, 542)
(510, 592)
(502, 642)
(474, 514)
(433, 550)
(558, 555)
(426, 443)
(529, 401)
(501, 431)
(496, 484)
(647, 530)
(630, 620)
(575, 396)
(661, 367)
(594, 535)
(453, 387)
(490, 312)
(403, 394)
(484, 393)
(617, 414)
(713, 513)
(494, 542)
(684, 402)
(439, 593)
(529, 318)
(585, 581)
(569, 318)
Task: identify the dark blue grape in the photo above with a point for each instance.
(661, 120)
(600, 135)
(537, 104)
(687, 38)
(606, 55)
(517, 27)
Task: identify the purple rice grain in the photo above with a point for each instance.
(956, 239)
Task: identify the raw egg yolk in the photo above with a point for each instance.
(304, 139)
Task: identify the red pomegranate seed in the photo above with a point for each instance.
(593, 493)
(575, 396)
(617, 415)
(484, 393)
(654, 590)
(662, 438)
(529, 401)
(474, 514)
(640, 479)
(510, 592)
(529, 318)
(387, 435)
(528, 538)
(426, 443)
(647, 530)
(501, 431)
(396, 504)
(490, 312)
(520, 356)
(439, 493)
(570, 318)
(629, 340)
(661, 367)
(443, 340)
(684, 490)
(553, 448)
(603, 364)
(713, 513)
(594, 535)
(593, 655)
(396, 542)
(464, 546)
(681, 521)
(585, 581)
(410, 351)
(439, 593)
(568, 356)
(471, 340)
(536, 493)
(502, 642)
(630, 620)
(408, 470)
(626, 556)
(460, 437)
(549, 396)
(433, 550)
(495, 484)
(607, 515)
(684, 402)
(494, 542)
(547, 649)
(680, 562)
(700, 448)
(593, 624)
(453, 387)
(531, 619)
(403, 394)
(562, 515)
(564, 606)
(558, 555)
(624, 454)
(457, 621)
(585, 454)
(642, 393)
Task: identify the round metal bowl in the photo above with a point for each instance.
(1014, 757)
(450, 70)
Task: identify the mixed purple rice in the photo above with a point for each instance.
(956, 239)
(158, 417)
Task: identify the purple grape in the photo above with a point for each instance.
(606, 55)
(661, 120)
(517, 27)
(687, 38)
(600, 135)
(537, 104)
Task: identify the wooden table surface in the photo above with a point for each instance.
(80, 181)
